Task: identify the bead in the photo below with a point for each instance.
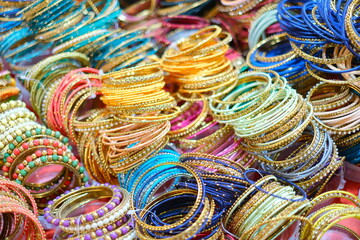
(99, 232)
(89, 217)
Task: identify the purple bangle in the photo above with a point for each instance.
(115, 208)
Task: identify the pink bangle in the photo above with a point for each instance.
(22, 192)
(184, 22)
(69, 85)
(187, 117)
(208, 128)
(232, 2)
(275, 28)
(32, 227)
(130, 14)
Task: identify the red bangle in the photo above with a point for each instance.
(70, 84)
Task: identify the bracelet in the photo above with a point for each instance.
(110, 220)
(19, 209)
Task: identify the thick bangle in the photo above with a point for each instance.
(108, 221)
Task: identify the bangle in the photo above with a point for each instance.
(182, 198)
(19, 210)
(330, 214)
(284, 197)
(138, 175)
(266, 18)
(335, 115)
(131, 144)
(28, 147)
(122, 50)
(110, 220)
(191, 118)
(193, 52)
(223, 178)
(144, 86)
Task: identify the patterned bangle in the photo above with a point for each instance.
(110, 220)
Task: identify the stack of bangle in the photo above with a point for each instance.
(349, 147)
(330, 217)
(204, 136)
(180, 213)
(11, 15)
(42, 79)
(122, 49)
(223, 178)
(193, 115)
(137, 94)
(72, 27)
(19, 49)
(28, 149)
(290, 127)
(91, 147)
(8, 89)
(215, 139)
(275, 53)
(264, 22)
(68, 97)
(336, 108)
(309, 162)
(242, 13)
(126, 146)
(18, 213)
(259, 107)
(198, 64)
(263, 211)
(322, 39)
(145, 183)
(110, 221)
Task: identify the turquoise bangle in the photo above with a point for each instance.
(138, 179)
(52, 12)
(258, 27)
(108, 47)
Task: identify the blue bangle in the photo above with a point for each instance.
(300, 190)
(52, 12)
(104, 50)
(13, 38)
(144, 176)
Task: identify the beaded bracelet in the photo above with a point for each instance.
(109, 221)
